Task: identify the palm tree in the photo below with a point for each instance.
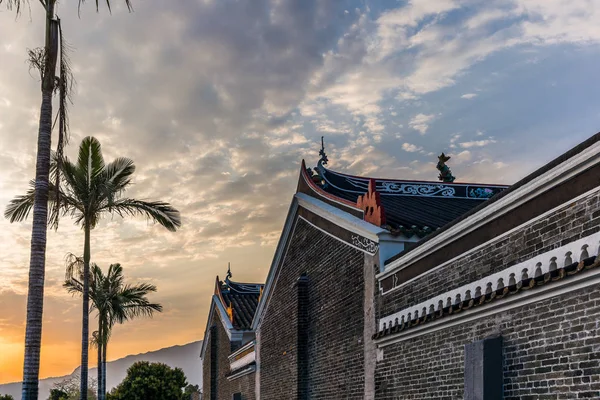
(115, 302)
(90, 189)
(45, 59)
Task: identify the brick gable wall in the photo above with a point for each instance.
(550, 347)
(335, 325)
(225, 388)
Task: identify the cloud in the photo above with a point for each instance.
(468, 96)
(219, 106)
(420, 122)
(411, 148)
(476, 143)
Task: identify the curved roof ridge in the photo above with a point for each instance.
(414, 181)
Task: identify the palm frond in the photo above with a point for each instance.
(18, 4)
(18, 209)
(127, 3)
(65, 88)
(90, 160)
(73, 267)
(158, 211)
(117, 176)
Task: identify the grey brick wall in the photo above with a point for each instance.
(551, 351)
(551, 347)
(335, 320)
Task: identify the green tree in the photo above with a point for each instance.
(46, 60)
(90, 189)
(191, 392)
(115, 302)
(6, 397)
(57, 394)
(150, 381)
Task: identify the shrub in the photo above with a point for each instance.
(150, 381)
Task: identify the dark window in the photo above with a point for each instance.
(237, 396)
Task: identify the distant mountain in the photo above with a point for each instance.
(186, 357)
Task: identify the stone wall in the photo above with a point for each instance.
(335, 330)
(550, 346)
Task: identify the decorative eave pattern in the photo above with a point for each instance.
(539, 271)
(360, 185)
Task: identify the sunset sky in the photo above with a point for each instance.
(217, 102)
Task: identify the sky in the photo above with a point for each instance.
(217, 102)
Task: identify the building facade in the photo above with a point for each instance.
(392, 289)
(228, 362)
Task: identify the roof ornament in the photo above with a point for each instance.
(324, 159)
(229, 274)
(318, 174)
(445, 173)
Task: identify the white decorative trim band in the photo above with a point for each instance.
(534, 267)
(242, 362)
(521, 299)
(245, 371)
(339, 217)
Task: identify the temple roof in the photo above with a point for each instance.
(239, 300)
(406, 204)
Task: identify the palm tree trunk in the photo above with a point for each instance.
(37, 258)
(104, 346)
(83, 387)
(100, 346)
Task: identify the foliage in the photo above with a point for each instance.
(191, 392)
(57, 394)
(150, 381)
(6, 397)
(90, 189)
(68, 389)
(115, 301)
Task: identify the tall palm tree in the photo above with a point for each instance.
(45, 59)
(90, 189)
(116, 303)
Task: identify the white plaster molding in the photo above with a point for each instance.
(239, 374)
(242, 362)
(557, 175)
(538, 265)
(523, 298)
(367, 246)
(245, 347)
(341, 218)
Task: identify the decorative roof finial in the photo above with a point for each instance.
(320, 170)
(229, 274)
(445, 173)
(324, 159)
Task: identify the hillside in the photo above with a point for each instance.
(186, 357)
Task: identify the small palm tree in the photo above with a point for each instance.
(115, 302)
(90, 189)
